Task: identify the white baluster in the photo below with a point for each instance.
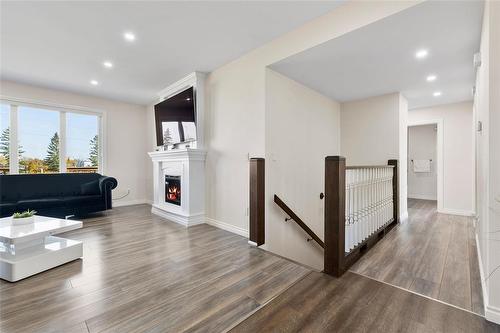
(348, 228)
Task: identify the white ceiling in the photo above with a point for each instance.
(380, 58)
(62, 44)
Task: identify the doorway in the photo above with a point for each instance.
(425, 171)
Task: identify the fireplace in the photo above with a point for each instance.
(173, 189)
(179, 185)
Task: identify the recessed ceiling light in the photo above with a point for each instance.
(129, 36)
(431, 78)
(107, 64)
(436, 94)
(94, 82)
(188, 99)
(421, 54)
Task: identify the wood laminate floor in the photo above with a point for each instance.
(354, 303)
(143, 274)
(431, 254)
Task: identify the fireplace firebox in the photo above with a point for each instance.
(173, 189)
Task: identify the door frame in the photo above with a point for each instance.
(440, 139)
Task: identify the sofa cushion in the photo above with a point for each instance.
(7, 208)
(83, 200)
(49, 185)
(35, 204)
(90, 188)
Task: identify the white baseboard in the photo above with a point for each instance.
(422, 197)
(118, 203)
(481, 272)
(491, 313)
(227, 227)
(186, 221)
(456, 212)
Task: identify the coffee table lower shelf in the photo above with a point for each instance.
(29, 261)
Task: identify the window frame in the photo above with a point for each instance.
(14, 103)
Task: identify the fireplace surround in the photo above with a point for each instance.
(183, 169)
(184, 166)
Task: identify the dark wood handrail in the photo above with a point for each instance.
(297, 220)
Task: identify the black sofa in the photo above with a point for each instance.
(56, 195)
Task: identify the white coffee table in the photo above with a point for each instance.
(29, 249)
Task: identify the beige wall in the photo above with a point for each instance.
(458, 153)
(236, 99)
(302, 127)
(372, 131)
(486, 110)
(125, 152)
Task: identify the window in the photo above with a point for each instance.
(82, 143)
(49, 140)
(4, 138)
(38, 140)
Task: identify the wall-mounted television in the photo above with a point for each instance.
(175, 119)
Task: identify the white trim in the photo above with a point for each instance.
(14, 102)
(13, 141)
(197, 81)
(49, 105)
(62, 141)
(103, 140)
(403, 216)
(178, 155)
(227, 227)
(118, 203)
(440, 145)
(186, 221)
(422, 197)
(481, 272)
(491, 313)
(456, 212)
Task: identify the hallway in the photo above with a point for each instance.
(430, 254)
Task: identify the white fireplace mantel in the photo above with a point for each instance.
(189, 164)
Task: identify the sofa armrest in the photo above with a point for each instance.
(106, 184)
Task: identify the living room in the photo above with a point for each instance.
(184, 161)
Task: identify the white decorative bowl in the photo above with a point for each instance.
(24, 220)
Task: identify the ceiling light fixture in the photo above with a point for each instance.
(431, 78)
(107, 64)
(94, 82)
(421, 54)
(129, 36)
(437, 94)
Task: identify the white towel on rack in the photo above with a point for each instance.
(421, 165)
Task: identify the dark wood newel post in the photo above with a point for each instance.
(334, 215)
(257, 198)
(395, 188)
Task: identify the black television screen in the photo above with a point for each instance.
(175, 119)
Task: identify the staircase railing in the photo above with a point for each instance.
(361, 206)
(298, 220)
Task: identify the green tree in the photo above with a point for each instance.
(167, 137)
(5, 146)
(94, 151)
(52, 158)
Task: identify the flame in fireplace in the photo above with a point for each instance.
(174, 193)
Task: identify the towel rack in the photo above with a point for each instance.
(430, 160)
